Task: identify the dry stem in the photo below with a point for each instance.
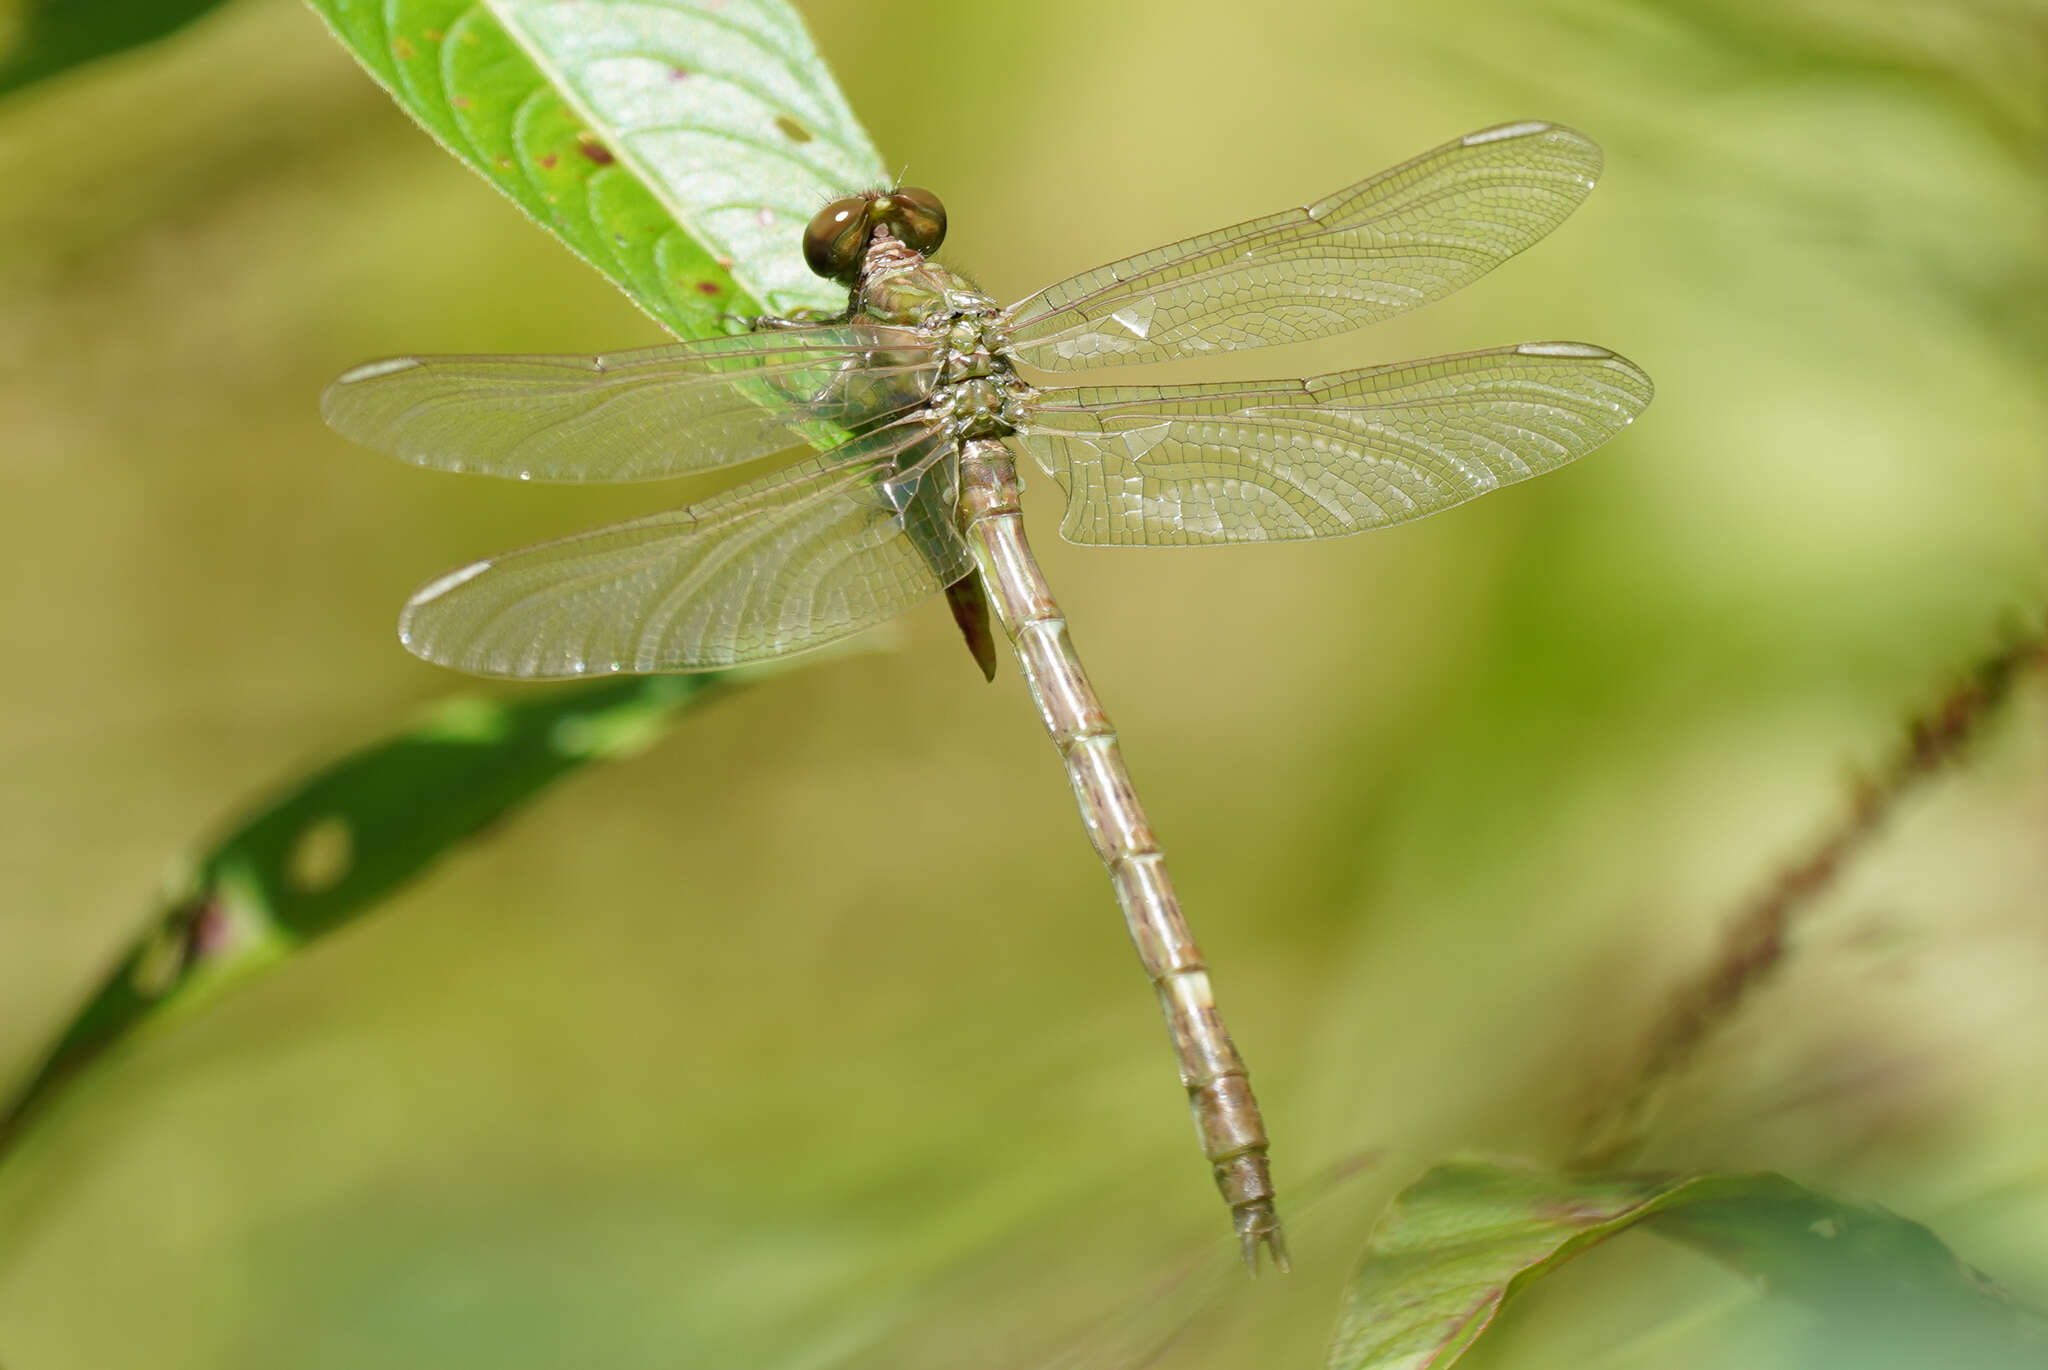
(1754, 942)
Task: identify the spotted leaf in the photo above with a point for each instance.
(678, 146)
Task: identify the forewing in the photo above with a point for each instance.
(1384, 246)
(804, 556)
(638, 415)
(1272, 461)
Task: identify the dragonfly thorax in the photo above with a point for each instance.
(985, 407)
(900, 286)
(979, 393)
(975, 345)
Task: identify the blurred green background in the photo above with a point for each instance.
(813, 1037)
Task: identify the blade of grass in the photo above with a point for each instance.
(323, 853)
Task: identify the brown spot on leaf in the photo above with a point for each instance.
(792, 130)
(678, 74)
(547, 161)
(402, 50)
(707, 288)
(462, 102)
(592, 146)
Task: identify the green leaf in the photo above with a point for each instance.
(56, 35)
(321, 855)
(678, 146)
(1454, 1247)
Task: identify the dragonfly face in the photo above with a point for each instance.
(836, 240)
(911, 407)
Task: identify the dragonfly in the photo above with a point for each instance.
(911, 410)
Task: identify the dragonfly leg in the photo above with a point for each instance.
(1219, 1089)
(796, 318)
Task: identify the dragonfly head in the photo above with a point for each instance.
(836, 240)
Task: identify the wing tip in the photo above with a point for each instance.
(1582, 351)
(1578, 351)
(440, 643)
(1550, 132)
(439, 586)
(334, 400)
(1498, 133)
(1525, 128)
(1591, 351)
(418, 636)
(370, 371)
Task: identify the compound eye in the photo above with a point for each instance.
(836, 239)
(916, 217)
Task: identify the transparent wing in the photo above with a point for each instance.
(1384, 246)
(806, 555)
(639, 415)
(1268, 461)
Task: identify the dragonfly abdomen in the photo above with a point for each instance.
(1219, 1090)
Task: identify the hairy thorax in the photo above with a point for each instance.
(978, 393)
